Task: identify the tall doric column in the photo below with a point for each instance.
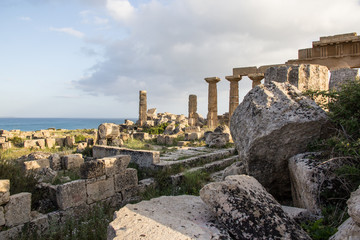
(234, 93)
(193, 117)
(256, 78)
(142, 108)
(212, 118)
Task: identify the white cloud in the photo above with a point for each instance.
(173, 45)
(120, 9)
(69, 31)
(25, 18)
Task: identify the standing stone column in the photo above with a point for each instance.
(256, 78)
(142, 108)
(212, 118)
(234, 93)
(193, 117)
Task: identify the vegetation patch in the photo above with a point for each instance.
(344, 144)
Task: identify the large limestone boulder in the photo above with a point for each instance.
(108, 131)
(248, 211)
(310, 178)
(274, 122)
(167, 217)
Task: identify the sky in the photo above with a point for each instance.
(90, 58)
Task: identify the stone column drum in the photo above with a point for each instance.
(142, 108)
(234, 93)
(192, 110)
(256, 78)
(212, 118)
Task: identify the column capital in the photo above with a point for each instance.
(233, 78)
(212, 80)
(256, 76)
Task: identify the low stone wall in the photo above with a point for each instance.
(103, 180)
(140, 157)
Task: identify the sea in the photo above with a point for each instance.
(33, 124)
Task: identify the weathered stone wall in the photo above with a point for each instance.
(103, 180)
(140, 157)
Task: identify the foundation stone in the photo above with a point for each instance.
(17, 210)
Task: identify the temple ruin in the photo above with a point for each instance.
(212, 117)
(334, 52)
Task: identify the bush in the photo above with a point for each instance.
(17, 141)
(80, 138)
(19, 182)
(344, 113)
(157, 130)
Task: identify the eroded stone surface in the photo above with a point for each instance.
(163, 218)
(71, 194)
(349, 230)
(100, 190)
(248, 211)
(4, 191)
(354, 206)
(310, 177)
(92, 169)
(17, 210)
(72, 161)
(274, 122)
(126, 180)
(115, 165)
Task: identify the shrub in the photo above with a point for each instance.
(80, 138)
(17, 141)
(157, 130)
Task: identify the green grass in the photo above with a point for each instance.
(344, 144)
(137, 144)
(191, 184)
(72, 174)
(92, 226)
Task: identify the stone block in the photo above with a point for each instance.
(4, 191)
(92, 169)
(2, 139)
(183, 143)
(5, 145)
(2, 217)
(303, 76)
(50, 142)
(140, 157)
(141, 136)
(69, 141)
(17, 210)
(160, 139)
(40, 143)
(60, 141)
(192, 129)
(36, 164)
(102, 142)
(100, 190)
(71, 194)
(72, 161)
(115, 165)
(39, 223)
(193, 136)
(126, 180)
(55, 162)
(169, 140)
(341, 76)
(81, 147)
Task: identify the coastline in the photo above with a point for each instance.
(34, 124)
